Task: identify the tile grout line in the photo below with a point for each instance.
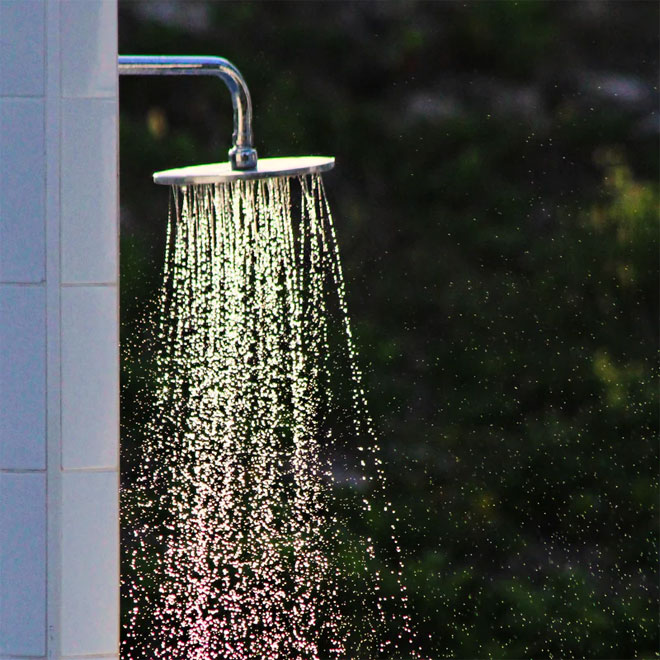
(96, 470)
(90, 284)
(20, 96)
(53, 330)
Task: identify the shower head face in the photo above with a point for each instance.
(223, 172)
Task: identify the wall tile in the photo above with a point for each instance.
(22, 377)
(22, 190)
(89, 59)
(23, 563)
(90, 380)
(90, 563)
(22, 47)
(89, 190)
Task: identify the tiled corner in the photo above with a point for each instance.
(22, 47)
(89, 190)
(22, 377)
(90, 563)
(23, 565)
(89, 58)
(22, 189)
(90, 380)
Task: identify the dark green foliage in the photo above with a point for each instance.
(496, 198)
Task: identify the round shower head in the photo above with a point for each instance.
(223, 172)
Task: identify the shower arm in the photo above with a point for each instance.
(242, 155)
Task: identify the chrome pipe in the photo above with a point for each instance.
(242, 155)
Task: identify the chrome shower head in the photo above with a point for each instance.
(223, 172)
(243, 163)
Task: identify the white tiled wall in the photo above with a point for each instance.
(89, 562)
(23, 565)
(22, 47)
(59, 426)
(23, 377)
(89, 30)
(23, 522)
(90, 379)
(89, 192)
(23, 177)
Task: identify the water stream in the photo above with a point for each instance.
(248, 518)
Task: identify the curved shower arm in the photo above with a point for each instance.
(242, 155)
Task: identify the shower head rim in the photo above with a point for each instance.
(267, 168)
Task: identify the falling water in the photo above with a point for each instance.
(249, 472)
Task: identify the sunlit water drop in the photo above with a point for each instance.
(253, 462)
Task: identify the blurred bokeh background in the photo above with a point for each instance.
(496, 202)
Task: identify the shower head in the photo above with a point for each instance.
(223, 172)
(243, 163)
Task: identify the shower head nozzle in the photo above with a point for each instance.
(224, 173)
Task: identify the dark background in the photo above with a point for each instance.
(496, 201)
